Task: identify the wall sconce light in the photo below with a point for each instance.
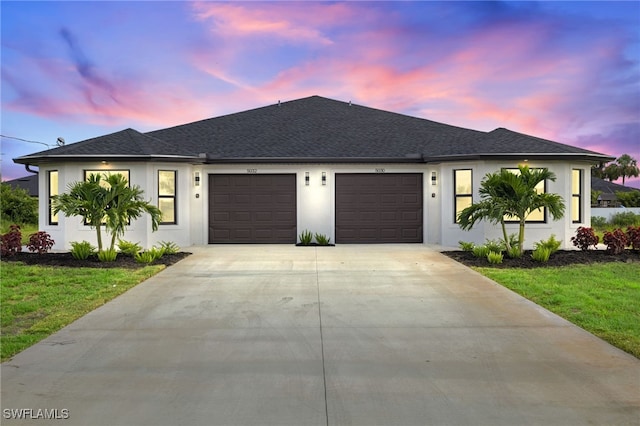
(196, 179)
(434, 179)
(306, 178)
(324, 178)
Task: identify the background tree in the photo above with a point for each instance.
(17, 205)
(110, 203)
(611, 172)
(629, 198)
(506, 196)
(627, 166)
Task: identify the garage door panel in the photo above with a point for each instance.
(252, 208)
(411, 216)
(240, 217)
(221, 198)
(284, 217)
(411, 233)
(240, 181)
(410, 198)
(221, 216)
(263, 217)
(379, 208)
(262, 199)
(389, 216)
(222, 234)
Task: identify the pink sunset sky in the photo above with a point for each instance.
(565, 71)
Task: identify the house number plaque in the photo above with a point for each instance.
(380, 170)
(252, 171)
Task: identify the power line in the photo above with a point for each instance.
(25, 140)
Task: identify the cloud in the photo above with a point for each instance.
(292, 23)
(569, 77)
(94, 85)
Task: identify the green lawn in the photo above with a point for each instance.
(603, 299)
(37, 301)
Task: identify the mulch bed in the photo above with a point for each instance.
(559, 258)
(66, 259)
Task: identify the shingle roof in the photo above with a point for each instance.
(28, 183)
(311, 129)
(607, 187)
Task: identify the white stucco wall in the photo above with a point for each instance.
(143, 174)
(315, 202)
(563, 229)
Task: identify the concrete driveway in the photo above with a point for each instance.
(346, 335)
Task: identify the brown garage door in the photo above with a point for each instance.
(379, 208)
(252, 208)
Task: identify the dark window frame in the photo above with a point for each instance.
(173, 197)
(457, 196)
(52, 219)
(578, 196)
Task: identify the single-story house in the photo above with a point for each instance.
(353, 173)
(607, 192)
(28, 183)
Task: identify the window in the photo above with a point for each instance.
(124, 173)
(463, 184)
(53, 190)
(576, 195)
(538, 215)
(167, 196)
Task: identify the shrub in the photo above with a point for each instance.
(598, 221)
(624, 219)
(82, 250)
(466, 246)
(494, 257)
(585, 238)
(541, 254)
(40, 242)
(633, 237)
(513, 240)
(552, 244)
(150, 255)
(129, 248)
(496, 246)
(11, 242)
(322, 239)
(514, 252)
(629, 198)
(305, 238)
(107, 255)
(17, 205)
(616, 241)
(480, 251)
(168, 247)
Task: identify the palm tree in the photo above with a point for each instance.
(627, 166)
(86, 199)
(125, 203)
(488, 208)
(506, 195)
(112, 205)
(612, 172)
